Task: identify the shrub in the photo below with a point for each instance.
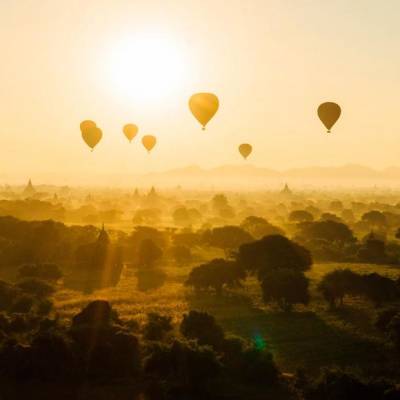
(336, 384)
(22, 304)
(185, 364)
(157, 326)
(394, 330)
(96, 313)
(36, 287)
(202, 327)
(384, 317)
(248, 364)
(8, 294)
(52, 357)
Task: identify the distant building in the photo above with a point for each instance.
(103, 237)
(29, 190)
(286, 191)
(152, 192)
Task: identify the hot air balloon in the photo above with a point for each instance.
(149, 142)
(329, 113)
(87, 124)
(92, 136)
(245, 150)
(203, 106)
(130, 131)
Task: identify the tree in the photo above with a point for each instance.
(149, 253)
(327, 216)
(150, 216)
(375, 219)
(272, 253)
(181, 216)
(216, 274)
(336, 206)
(259, 227)
(202, 327)
(184, 216)
(300, 216)
(373, 250)
(286, 287)
(97, 313)
(135, 239)
(331, 231)
(379, 289)
(47, 272)
(335, 285)
(221, 206)
(181, 254)
(227, 238)
(219, 202)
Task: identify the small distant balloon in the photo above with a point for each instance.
(149, 141)
(87, 124)
(329, 113)
(245, 150)
(203, 107)
(130, 131)
(92, 136)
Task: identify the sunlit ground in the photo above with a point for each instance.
(311, 338)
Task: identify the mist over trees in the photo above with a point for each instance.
(182, 294)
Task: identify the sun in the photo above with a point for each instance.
(147, 67)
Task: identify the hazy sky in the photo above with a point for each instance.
(271, 62)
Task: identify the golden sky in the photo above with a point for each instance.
(271, 63)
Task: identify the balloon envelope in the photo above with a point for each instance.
(245, 150)
(130, 131)
(329, 113)
(149, 142)
(87, 124)
(92, 136)
(203, 107)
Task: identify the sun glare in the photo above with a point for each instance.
(147, 68)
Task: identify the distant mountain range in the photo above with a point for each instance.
(233, 175)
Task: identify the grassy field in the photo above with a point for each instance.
(310, 337)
